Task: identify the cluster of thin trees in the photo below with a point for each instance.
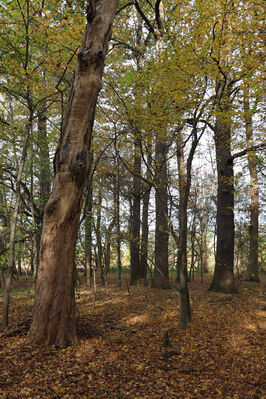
(179, 80)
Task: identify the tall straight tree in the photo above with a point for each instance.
(253, 267)
(223, 279)
(53, 321)
(161, 271)
(136, 272)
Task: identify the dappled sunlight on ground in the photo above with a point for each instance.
(137, 320)
(121, 353)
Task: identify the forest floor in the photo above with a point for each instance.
(121, 352)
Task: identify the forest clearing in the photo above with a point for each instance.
(122, 354)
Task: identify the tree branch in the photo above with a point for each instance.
(131, 3)
(145, 19)
(244, 152)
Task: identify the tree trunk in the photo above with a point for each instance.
(99, 236)
(117, 223)
(192, 239)
(88, 242)
(13, 227)
(223, 279)
(35, 241)
(44, 158)
(136, 272)
(44, 179)
(184, 177)
(253, 266)
(19, 260)
(3, 221)
(89, 223)
(145, 233)
(53, 320)
(161, 272)
(203, 245)
(107, 249)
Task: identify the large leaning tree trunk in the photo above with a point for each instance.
(223, 279)
(53, 320)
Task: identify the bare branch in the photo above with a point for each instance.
(246, 150)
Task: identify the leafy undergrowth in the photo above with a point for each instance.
(121, 353)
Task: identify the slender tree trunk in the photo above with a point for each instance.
(88, 242)
(44, 158)
(192, 238)
(161, 272)
(44, 179)
(184, 175)
(89, 223)
(35, 243)
(53, 321)
(3, 220)
(203, 246)
(145, 233)
(107, 252)
(145, 218)
(253, 266)
(136, 272)
(223, 279)
(98, 235)
(13, 226)
(19, 261)
(117, 224)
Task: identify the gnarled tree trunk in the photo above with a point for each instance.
(54, 309)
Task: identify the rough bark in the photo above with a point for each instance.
(253, 266)
(223, 279)
(53, 321)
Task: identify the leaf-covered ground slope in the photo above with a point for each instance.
(121, 353)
